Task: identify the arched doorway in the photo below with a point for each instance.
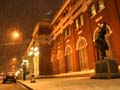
(81, 48)
(68, 58)
(59, 60)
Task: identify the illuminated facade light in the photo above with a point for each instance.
(36, 54)
(15, 34)
(30, 53)
(35, 49)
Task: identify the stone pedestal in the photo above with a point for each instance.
(106, 69)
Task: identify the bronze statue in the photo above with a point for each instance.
(100, 42)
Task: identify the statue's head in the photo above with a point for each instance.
(104, 28)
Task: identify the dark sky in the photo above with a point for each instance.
(23, 15)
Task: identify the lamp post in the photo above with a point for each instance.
(18, 73)
(34, 52)
(14, 64)
(25, 63)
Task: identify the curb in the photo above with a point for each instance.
(25, 85)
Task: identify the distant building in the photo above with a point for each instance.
(67, 44)
(39, 50)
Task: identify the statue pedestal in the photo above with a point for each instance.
(106, 69)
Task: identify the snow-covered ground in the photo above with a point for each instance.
(75, 83)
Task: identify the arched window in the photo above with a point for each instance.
(68, 58)
(81, 48)
(107, 38)
(59, 60)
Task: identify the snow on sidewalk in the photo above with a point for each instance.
(74, 84)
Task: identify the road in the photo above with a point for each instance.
(16, 86)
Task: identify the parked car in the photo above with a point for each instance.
(9, 78)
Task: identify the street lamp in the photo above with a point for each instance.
(15, 34)
(19, 73)
(14, 64)
(34, 52)
(25, 65)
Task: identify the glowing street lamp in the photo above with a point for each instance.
(34, 51)
(13, 64)
(25, 64)
(15, 35)
(14, 60)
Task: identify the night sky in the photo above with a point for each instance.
(22, 15)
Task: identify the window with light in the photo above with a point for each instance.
(101, 5)
(67, 31)
(81, 20)
(76, 23)
(93, 10)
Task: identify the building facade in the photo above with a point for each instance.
(74, 32)
(39, 50)
(72, 35)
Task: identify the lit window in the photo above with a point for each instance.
(81, 47)
(68, 58)
(76, 23)
(93, 10)
(81, 20)
(101, 4)
(67, 32)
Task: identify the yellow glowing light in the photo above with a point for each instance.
(14, 59)
(15, 34)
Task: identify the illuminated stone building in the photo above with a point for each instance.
(70, 46)
(39, 50)
(74, 30)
